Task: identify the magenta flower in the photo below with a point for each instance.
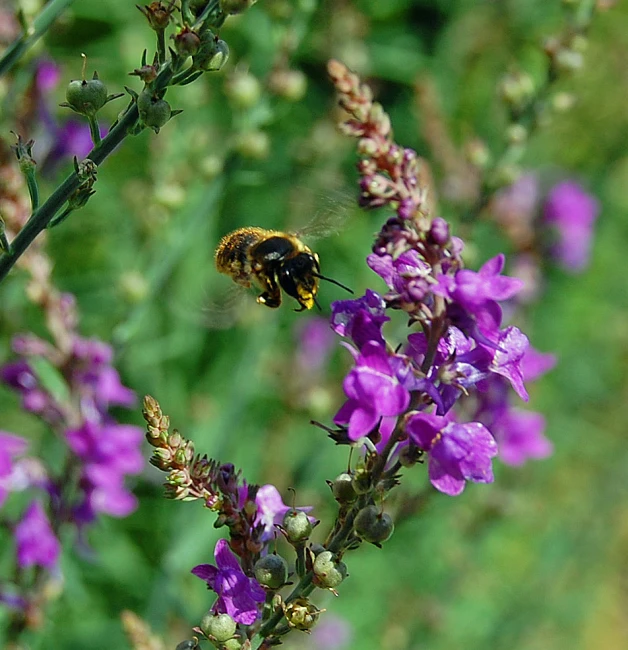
(316, 342)
(476, 292)
(406, 276)
(457, 452)
(238, 595)
(519, 435)
(271, 510)
(108, 452)
(360, 320)
(374, 393)
(36, 542)
(10, 447)
(571, 212)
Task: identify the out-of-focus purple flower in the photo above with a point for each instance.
(374, 393)
(535, 363)
(519, 435)
(20, 376)
(72, 138)
(35, 541)
(271, 510)
(47, 76)
(10, 447)
(457, 452)
(514, 208)
(571, 212)
(331, 633)
(108, 452)
(360, 320)
(316, 342)
(238, 595)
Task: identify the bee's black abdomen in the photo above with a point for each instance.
(272, 249)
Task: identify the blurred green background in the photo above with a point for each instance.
(535, 561)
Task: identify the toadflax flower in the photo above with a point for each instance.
(35, 540)
(238, 595)
(10, 447)
(571, 212)
(457, 452)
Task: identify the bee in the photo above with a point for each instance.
(273, 261)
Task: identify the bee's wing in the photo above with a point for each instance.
(331, 214)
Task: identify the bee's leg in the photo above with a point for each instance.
(271, 296)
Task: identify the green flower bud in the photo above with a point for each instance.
(342, 488)
(219, 626)
(328, 571)
(212, 54)
(243, 89)
(271, 571)
(86, 97)
(372, 525)
(154, 112)
(297, 526)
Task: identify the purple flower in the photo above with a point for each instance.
(519, 435)
(512, 346)
(477, 291)
(271, 510)
(108, 452)
(457, 452)
(238, 595)
(406, 276)
(571, 212)
(374, 393)
(316, 342)
(20, 376)
(360, 320)
(331, 633)
(10, 447)
(36, 542)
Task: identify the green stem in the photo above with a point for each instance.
(40, 25)
(33, 189)
(94, 130)
(161, 46)
(60, 218)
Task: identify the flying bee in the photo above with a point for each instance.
(273, 261)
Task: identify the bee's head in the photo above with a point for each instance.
(299, 278)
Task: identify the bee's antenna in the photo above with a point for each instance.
(339, 284)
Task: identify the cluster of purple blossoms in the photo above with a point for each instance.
(71, 386)
(462, 354)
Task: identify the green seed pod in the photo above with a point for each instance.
(372, 525)
(212, 54)
(219, 626)
(236, 6)
(301, 614)
(271, 571)
(243, 89)
(297, 526)
(154, 112)
(342, 488)
(86, 97)
(328, 571)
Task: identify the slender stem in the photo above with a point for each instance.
(4, 242)
(94, 130)
(161, 46)
(48, 15)
(33, 189)
(60, 218)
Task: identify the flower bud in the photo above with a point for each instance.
(154, 112)
(342, 488)
(243, 89)
(372, 525)
(439, 231)
(212, 54)
(297, 526)
(219, 626)
(187, 42)
(328, 571)
(271, 571)
(86, 97)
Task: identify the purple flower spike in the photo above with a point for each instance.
(238, 595)
(35, 541)
(457, 452)
(572, 213)
(10, 447)
(374, 393)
